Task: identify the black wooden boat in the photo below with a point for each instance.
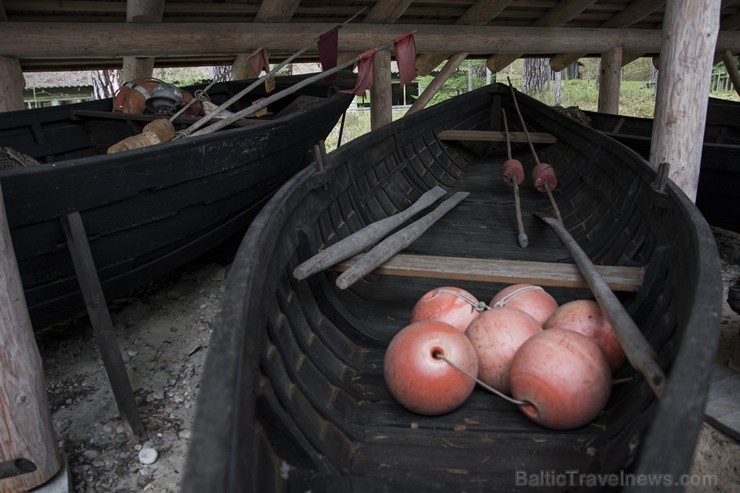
(718, 195)
(148, 210)
(293, 396)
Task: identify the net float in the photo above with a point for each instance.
(528, 298)
(587, 318)
(513, 173)
(561, 379)
(449, 304)
(511, 169)
(543, 177)
(417, 371)
(496, 335)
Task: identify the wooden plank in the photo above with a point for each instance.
(387, 11)
(723, 401)
(28, 444)
(496, 136)
(628, 279)
(610, 80)
(381, 92)
(184, 120)
(100, 320)
(438, 81)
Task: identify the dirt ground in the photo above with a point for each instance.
(163, 331)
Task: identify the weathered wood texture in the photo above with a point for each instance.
(609, 82)
(479, 14)
(438, 81)
(102, 326)
(381, 91)
(689, 36)
(557, 16)
(496, 136)
(11, 84)
(502, 271)
(26, 430)
(633, 13)
(141, 11)
(35, 40)
(387, 11)
(732, 70)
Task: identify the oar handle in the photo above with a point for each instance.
(637, 349)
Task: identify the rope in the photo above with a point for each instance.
(503, 301)
(478, 305)
(480, 382)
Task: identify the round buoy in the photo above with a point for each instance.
(448, 304)
(587, 318)
(510, 169)
(417, 373)
(562, 378)
(528, 298)
(496, 335)
(543, 173)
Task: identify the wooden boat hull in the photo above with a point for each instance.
(149, 210)
(717, 194)
(293, 396)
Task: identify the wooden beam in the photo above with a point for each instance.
(11, 84)
(563, 12)
(381, 91)
(141, 11)
(496, 136)
(479, 14)
(610, 80)
(632, 14)
(27, 438)
(79, 40)
(276, 10)
(437, 83)
(627, 279)
(387, 11)
(732, 71)
(686, 55)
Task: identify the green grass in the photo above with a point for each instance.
(637, 98)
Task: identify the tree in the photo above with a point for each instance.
(536, 75)
(105, 83)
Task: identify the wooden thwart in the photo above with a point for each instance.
(496, 136)
(628, 279)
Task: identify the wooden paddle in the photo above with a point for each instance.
(396, 242)
(637, 349)
(369, 235)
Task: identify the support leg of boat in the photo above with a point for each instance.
(100, 320)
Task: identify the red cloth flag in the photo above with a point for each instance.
(364, 73)
(260, 61)
(405, 48)
(328, 47)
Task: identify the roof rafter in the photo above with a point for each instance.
(634, 13)
(556, 16)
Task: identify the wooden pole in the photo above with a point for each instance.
(381, 90)
(141, 11)
(732, 70)
(611, 68)
(27, 439)
(438, 81)
(686, 54)
(11, 84)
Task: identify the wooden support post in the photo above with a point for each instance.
(28, 444)
(100, 320)
(380, 92)
(732, 71)
(11, 84)
(437, 83)
(610, 80)
(141, 11)
(687, 49)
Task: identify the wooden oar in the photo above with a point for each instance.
(637, 349)
(512, 170)
(396, 242)
(195, 126)
(369, 235)
(543, 175)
